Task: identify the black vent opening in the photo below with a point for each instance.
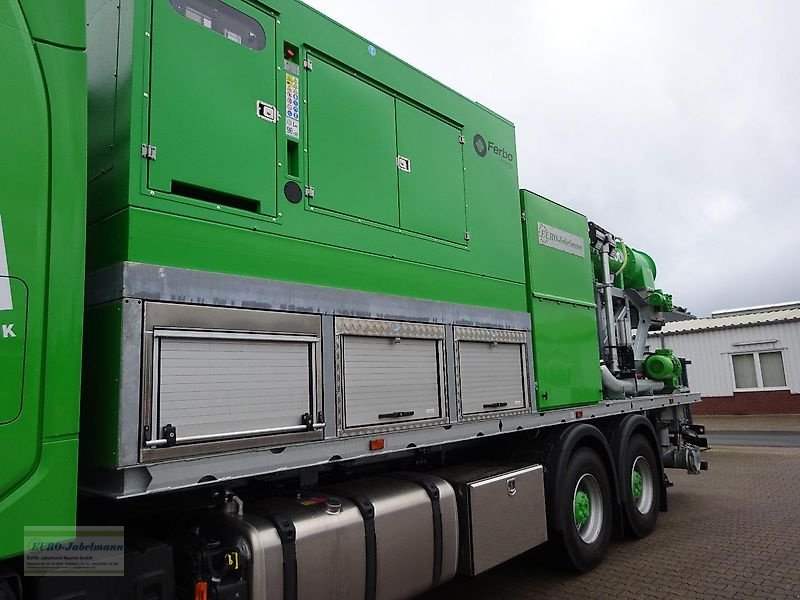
(215, 197)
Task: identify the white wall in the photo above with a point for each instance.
(710, 352)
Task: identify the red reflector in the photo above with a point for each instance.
(201, 590)
(289, 53)
(672, 400)
(578, 414)
(378, 444)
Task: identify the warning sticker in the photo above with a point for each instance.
(292, 105)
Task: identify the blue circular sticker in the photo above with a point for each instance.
(372, 50)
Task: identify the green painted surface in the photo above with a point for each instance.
(203, 117)
(43, 217)
(352, 145)
(432, 194)
(637, 486)
(664, 366)
(565, 343)
(364, 229)
(582, 508)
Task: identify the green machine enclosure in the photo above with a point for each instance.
(264, 140)
(562, 305)
(42, 230)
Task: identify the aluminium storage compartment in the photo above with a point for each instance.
(217, 376)
(411, 522)
(501, 513)
(492, 371)
(390, 374)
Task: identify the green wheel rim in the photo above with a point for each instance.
(643, 485)
(587, 508)
(636, 485)
(582, 508)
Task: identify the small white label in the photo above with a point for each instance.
(552, 237)
(6, 302)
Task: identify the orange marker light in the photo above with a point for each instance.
(201, 590)
(377, 444)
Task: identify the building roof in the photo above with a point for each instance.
(735, 320)
(749, 310)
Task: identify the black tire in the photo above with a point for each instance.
(577, 553)
(6, 593)
(641, 518)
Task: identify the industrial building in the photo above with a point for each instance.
(743, 361)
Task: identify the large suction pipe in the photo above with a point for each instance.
(628, 387)
(611, 322)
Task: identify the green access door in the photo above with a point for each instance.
(566, 354)
(352, 145)
(212, 117)
(431, 171)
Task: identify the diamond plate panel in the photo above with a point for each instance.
(374, 328)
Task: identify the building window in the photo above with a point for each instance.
(758, 370)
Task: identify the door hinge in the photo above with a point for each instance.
(267, 112)
(466, 235)
(310, 192)
(308, 64)
(524, 216)
(404, 164)
(149, 152)
(461, 140)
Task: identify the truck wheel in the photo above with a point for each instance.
(6, 593)
(585, 517)
(641, 497)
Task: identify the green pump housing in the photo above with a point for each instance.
(664, 366)
(634, 270)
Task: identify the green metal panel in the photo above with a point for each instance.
(43, 219)
(432, 193)
(304, 242)
(565, 354)
(553, 270)
(352, 145)
(64, 25)
(204, 122)
(565, 347)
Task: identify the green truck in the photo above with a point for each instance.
(279, 279)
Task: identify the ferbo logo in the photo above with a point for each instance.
(482, 148)
(6, 302)
(479, 143)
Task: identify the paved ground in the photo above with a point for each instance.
(732, 532)
(750, 422)
(778, 439)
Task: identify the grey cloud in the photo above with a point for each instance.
(673, 123)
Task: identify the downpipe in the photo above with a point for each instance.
(684, 456)
(628, 387)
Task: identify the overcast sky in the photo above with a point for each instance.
(673, 123)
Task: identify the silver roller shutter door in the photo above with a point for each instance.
(221, 386)
(491, 377)
(388, 381)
